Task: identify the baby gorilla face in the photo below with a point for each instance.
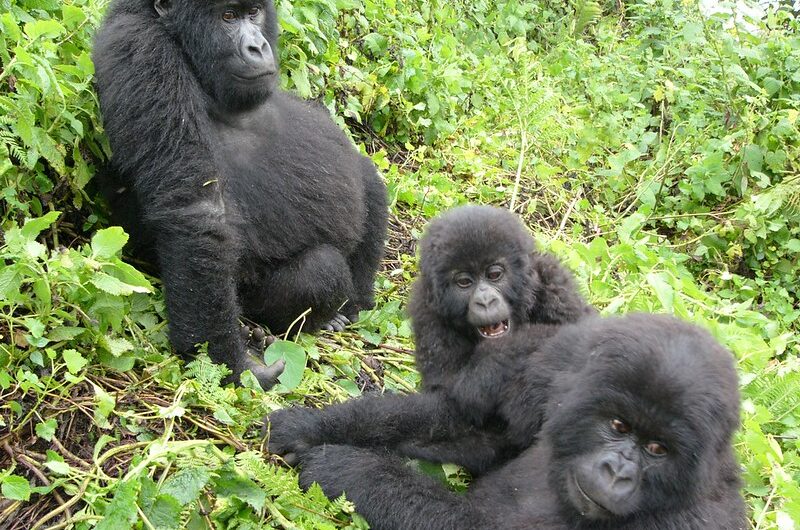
(480, 291)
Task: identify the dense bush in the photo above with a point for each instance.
(655, 149)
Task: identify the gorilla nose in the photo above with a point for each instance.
(620, 476)
(486, 300)
(258, 53)
(259, 50)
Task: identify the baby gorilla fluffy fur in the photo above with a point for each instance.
(481, 277)
(637, 436)
(482, 282)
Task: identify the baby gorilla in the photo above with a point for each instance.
(481, 276)
(637, 436)
(482, 282)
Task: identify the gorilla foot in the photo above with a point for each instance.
(337, 323)
(256, 340)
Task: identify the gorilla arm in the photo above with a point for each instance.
(390, 494)
(416, 425)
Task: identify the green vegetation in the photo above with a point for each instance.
(654, 149)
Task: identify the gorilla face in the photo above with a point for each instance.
(228, 47)
(476, 263)
(633, 429)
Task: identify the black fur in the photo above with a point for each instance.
(539, 289)
(670, 381)
(254, 202)
(458, 417)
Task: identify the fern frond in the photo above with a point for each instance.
(11, 142)
(587, 12)
(779, 394)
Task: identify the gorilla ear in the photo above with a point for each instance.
(162, 7)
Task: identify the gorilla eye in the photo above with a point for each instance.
(620, 426)
(494, 273)
(463, 281)
(229, 16)
(655, 449)
(254, 11)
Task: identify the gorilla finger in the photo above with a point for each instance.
(259, 335)
(245, 332)
(270, 339)
(339, 322)
(267, 375)
(275, 369)
(291, 459)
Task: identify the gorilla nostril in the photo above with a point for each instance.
(608, 471)
(256, 51)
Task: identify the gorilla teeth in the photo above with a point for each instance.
(494, 330)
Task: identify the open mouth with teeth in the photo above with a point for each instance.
(493, 331)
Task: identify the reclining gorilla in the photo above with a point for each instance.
(481, 283)
(254, 202)
(637, 436)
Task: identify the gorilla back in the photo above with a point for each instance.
(254, 202)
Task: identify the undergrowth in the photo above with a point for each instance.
(653, 148)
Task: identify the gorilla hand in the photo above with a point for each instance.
(293, 431)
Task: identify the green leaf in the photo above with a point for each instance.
(116, 346)
(295, 358)
(72, 16)
(222, 416)
(377, 43)
(104, 406)
(15, 488)
(165, 513)
(129, 275)
(46, 430)
(660, 282)
(120, 514)
(58, 467)
(74, 360)
(33, 227)
(10, 27)
(47, 27)
(120, 363)
(186, 484)
(232, 484)
(115, 286)
(10, 281)
(107, 242)
(65, 333)
(350, 387)
(301, 82)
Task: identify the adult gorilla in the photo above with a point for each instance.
(254, 202)
(637, 436)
